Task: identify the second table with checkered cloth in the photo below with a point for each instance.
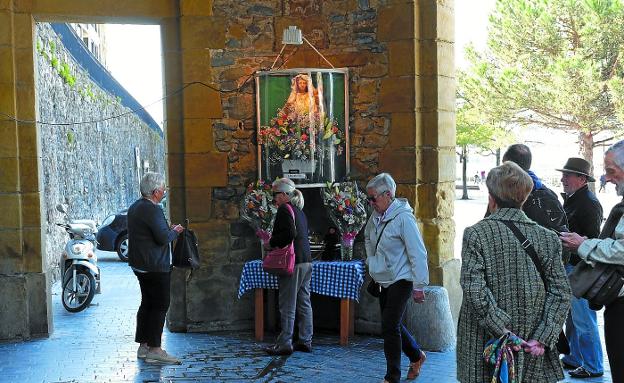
(336, 279)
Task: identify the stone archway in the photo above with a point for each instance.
(406, 74)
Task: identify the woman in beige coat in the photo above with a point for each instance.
(503, 289)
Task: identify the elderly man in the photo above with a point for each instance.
(584, 214)
(608, 248)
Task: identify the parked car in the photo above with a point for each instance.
(112, 234)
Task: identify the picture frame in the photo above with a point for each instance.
(303, 125)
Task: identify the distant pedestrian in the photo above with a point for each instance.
(294, 290)
(584, 214)
(608, 248)
(397, 260)
(603, 183)
(476, 178)
(503, 289)
(149, 255)
(482, 175)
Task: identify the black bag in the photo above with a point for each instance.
(599, 284)
(373, 287)
(186, 252)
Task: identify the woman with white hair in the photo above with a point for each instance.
(294, 290)
(149, 255)
(397, 260)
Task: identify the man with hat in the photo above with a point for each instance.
(608, 248)
(584, 214)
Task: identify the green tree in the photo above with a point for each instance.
(552, 63)
(475, 133)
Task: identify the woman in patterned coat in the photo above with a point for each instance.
(503, 289)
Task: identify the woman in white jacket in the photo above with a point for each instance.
(397, 260)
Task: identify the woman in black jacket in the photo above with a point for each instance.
(294, 290)
(149, 255)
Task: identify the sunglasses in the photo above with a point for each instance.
(374, 198)
(275, 194)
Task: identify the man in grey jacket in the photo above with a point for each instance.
(608, 248)
(397, 260)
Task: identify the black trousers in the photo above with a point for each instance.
(393, 302)
(155, 289)
(614, 338)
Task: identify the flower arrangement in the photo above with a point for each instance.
(258, 209)
(297, 138)
(346, 206)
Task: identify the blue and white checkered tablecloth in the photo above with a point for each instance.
(336, 279)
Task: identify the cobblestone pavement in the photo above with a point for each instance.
(97, 345)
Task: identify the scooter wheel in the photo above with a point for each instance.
(79, 299)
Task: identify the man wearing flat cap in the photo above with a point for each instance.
(584, 214)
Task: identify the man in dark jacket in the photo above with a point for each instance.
(542, 205)
(584, 214)
(149, 255)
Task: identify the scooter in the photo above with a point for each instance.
(79, 270)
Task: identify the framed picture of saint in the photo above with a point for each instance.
(302, 122)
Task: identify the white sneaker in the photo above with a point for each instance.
(161, 357)
(142, 351)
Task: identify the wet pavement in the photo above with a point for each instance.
(97, 345)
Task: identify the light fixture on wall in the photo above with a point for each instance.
(294, 36)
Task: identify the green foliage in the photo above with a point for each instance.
(66, 74)
(52, 47)
(38, 46)
(71, 138)
(553, 63)
(55, 63)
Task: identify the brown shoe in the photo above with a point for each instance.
(414, 367)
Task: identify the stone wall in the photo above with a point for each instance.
(239, 38)
(89, 168)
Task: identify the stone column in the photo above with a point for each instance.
(26, 311)
(419, 93)
(195, 167)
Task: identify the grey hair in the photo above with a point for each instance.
(150, 182)
(618, 153)
(287, 186)
(382, 183)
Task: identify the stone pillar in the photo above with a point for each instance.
(23, 281)
(195, 167)
(419, 94)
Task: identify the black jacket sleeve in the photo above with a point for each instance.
(284, 230)
(157, 223)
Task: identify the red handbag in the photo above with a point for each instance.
(281, 261)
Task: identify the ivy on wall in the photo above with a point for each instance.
(48, 49)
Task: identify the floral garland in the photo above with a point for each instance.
(297, 138)
(258, 209)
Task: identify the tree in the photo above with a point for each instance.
(553, 63)
(474, 132)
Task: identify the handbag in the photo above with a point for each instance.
(599, 284)
(562, 345)
(186, 251)
(373, 287)
(281, 261)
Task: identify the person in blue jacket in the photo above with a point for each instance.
(397, 259)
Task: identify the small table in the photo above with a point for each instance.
(336, 279)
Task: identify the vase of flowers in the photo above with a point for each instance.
(346, 206)
(258, 209)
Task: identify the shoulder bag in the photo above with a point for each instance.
(281, 261)
(599, 284)
(373, 287)
(563, 346)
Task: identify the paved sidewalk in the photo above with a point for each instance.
(97, 345)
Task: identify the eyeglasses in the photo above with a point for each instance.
(373, 199)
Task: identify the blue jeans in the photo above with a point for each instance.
(393, 302)
(583, 336)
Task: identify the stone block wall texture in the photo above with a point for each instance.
(90, 168)
(397, 105)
